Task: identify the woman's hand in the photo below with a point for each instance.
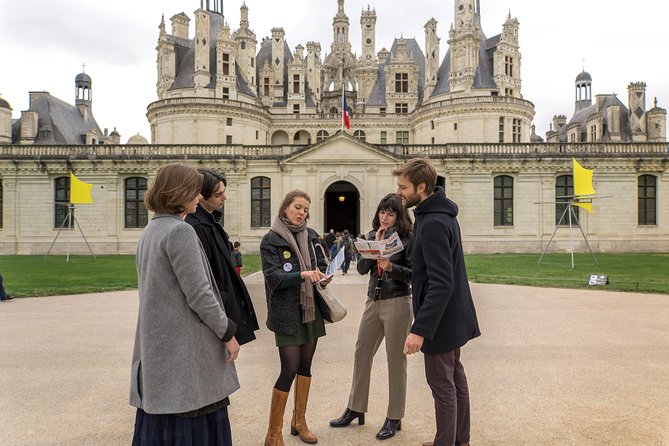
(380, 233)
(312, 276)
(384, 264)
(233, 349)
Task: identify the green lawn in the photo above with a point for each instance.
(34, 276)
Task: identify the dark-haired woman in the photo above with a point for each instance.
(182, 364)
(292, 263)
(387, 315)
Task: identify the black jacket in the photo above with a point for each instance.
(396, 282)
(236, 299)
(443, 308)
(278, 260)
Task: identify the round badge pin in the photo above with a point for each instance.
(286, 254)
(287, 267)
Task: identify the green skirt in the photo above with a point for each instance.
(306, 333)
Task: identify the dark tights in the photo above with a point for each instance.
(295, 360)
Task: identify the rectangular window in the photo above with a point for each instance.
(252, 61)
(61, 202)
(296, 108)
(433, 140)
(402, 108)
(382, 110)
(503, 200)
(501, 130)
(647, 197)
(564, 192)
(226, 64)
(593, 133)
(432, 125)
(243, 44)
(226, 93)
(402, 137)
(228, 139)
(261, 192)
(1, 200)
(401, 82)
(455, 126)
(257, 135)
(265, 85)
(384, 137)
(508, 66)
(228, 122)
(136, 215)
(516, 130)
(296, 84)
(508, 91)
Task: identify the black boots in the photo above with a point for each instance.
(348, 416)
(389, 429)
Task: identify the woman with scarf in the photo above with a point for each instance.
(387, 314)
(292, 263)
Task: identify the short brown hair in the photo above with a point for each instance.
(417, 171)
(289, 198)
(174, 185)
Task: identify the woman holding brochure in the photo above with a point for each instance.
(292, 263)
(387, 314)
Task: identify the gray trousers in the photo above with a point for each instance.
(389, 318)
(446, 377)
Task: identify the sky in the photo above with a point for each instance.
(44, 43)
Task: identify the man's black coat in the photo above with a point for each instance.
(236, 299)
(442, 302)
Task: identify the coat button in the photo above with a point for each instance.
(242, 303)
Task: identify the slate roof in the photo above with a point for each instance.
(483, 78)
(265, 55)
(62, 122)
(582, 116)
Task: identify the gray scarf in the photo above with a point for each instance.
(286, 229)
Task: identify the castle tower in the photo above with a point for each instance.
(431, 56)
(83, 94)
(5, 122)
(507, 60)
(636, 104)
(583, 91)
(340, 26)
(202, 71)
(464, 41)
(166, 56)
(246, 42)
(368, 32)
(278, 55)
(656, 122)
(314, 69)
(226, 77)
(296, 79)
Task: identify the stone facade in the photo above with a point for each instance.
(344, 166)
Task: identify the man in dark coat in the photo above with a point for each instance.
(217, 247)
(330, 239)
(444, 314)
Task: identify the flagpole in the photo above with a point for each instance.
(342, 106)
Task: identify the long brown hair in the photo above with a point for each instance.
(393, 203)
(289, 198)
(175, 184)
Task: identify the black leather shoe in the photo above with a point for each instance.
(389, 429)
(348, 416)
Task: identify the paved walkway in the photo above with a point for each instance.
(553, 367)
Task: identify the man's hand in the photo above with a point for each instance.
(413, 344)
(233, 349)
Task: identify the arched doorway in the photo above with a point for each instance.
(342, 208)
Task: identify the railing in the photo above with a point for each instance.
(180, 151)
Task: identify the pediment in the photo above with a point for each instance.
(341, 148)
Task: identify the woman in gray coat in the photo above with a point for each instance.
(183, 360)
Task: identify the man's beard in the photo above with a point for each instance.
(411, 200)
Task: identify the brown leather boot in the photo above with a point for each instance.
(277, 408)
(299, 424)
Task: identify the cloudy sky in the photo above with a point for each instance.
(43, 45)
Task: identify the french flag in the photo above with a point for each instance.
(344, 111)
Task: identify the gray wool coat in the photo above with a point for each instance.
(178, 362)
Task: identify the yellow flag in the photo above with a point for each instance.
(582, 180)
(586, 206)
(80, 192)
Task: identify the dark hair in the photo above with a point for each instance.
(393, 203)
(417, 171)
(289, 198)
(174, 185)
(210, 182)
(236, 245)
